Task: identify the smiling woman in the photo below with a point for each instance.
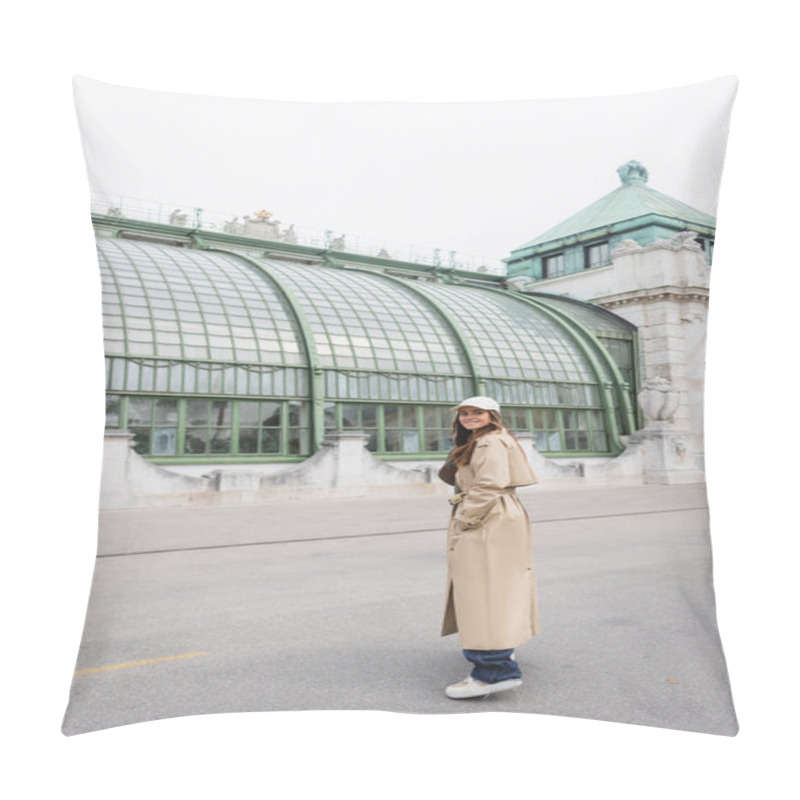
(473, 418)
(491, 597)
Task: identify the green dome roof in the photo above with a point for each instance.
(633, 200)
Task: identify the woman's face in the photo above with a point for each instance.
(473, 418)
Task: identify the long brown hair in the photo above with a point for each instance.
(465, 440)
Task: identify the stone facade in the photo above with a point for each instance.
(662, 288)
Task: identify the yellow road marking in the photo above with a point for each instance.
(135, 663)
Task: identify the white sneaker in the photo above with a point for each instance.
(469, 687)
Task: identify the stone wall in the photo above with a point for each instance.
(342, 468)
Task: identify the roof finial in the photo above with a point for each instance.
(632, 172)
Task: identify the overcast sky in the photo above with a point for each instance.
(478, 178)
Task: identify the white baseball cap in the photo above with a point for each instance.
(485, 403)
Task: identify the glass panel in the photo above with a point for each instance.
(299, 441)
(402, 441)
(436, 417)
(350, 416)
(165, 411)
(195, 441)
(391, 416)
(548, 441)
(165, 441)
(176, 377)
(298, 413)
(221, 412)
(544, 419)
(117, 379)
(220, 440)
(516, 418)
(141, 440)
(139, 411)
(248, 412)
(202, 380)
(410, 441)
(146, 378)
(196, 412)
(438, 441)
(248, 440)
(270, 441)
(271, 414)
(546, 429)
(112, 410)
(330, 416)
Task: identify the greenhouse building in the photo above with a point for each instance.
(230, 353)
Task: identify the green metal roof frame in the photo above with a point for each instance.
(619, 383)
(478, 380)
(316, 388)
(122, 261)
(203, 239)
(520, 355)
(360, 313)
(592, 349)
(546, 297)
(599, 360)
(599, 310)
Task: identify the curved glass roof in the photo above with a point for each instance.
(193, 327)
(364, 321)
(173, 302)
(510, 338)
(168, 302)
(596, 319)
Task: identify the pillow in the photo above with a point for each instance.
(295, 297)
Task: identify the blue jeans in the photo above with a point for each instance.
(492, 666)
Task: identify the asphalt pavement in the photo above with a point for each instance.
(337, 604)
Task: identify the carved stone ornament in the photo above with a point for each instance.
(626, 246)
(686, 240)
(658, 400)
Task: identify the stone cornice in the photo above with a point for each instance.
(680, 294)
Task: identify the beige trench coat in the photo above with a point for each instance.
(491, 595)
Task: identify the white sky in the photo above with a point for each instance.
(478, 178)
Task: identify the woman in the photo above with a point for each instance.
(491, 598)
